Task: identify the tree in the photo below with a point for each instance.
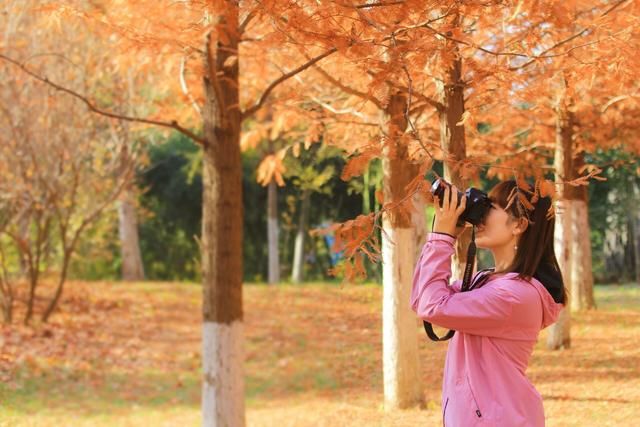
(58, 179)
(212, 33)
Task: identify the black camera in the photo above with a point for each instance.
(478, 202)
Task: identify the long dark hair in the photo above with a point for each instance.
(535, 256)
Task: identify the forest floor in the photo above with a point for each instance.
(128, 354)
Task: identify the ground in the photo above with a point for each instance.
(128, 354)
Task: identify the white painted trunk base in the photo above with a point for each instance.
(401, 373)
(272, 233)
(274, 256)
(559, 334)
(223, 375)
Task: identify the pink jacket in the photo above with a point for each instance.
(497, 327)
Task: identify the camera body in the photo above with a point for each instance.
(478, 202)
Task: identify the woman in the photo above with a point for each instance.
(496, 324)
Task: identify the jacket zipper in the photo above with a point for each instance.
(444, 411)
(478, 413)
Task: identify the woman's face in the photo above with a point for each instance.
(497, 230)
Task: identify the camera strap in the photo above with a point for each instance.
(466, 286)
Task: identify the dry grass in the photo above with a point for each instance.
(128, 355)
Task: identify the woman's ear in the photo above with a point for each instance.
(522, 226)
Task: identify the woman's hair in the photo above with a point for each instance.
(535, 256)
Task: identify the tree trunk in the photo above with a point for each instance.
(581, 265)
(559, 333)
(272, 233)
(297, 276)
(132, 268)
(401, 371)
(453, 143)
(222, 214)
(636, 231)
(366, 191)
(613, 262)
(419, 224)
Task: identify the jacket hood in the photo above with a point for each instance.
(549, 284)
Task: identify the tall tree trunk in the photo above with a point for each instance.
(222, 214)
(272, 233)
(453, 143)
(419, 224)
(581, 264)
(401, 371)
(132, 268)
(297, 275)
(559, 333)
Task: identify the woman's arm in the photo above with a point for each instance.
(483, 311)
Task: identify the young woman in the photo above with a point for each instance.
(496, 324)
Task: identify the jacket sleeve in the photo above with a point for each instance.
(483, 311)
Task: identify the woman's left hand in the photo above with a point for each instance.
(447, 215)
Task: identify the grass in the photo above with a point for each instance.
(122, 354)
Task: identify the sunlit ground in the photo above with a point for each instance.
(128, 355)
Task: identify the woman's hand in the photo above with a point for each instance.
(447, 215)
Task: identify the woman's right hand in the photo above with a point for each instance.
(447, 215)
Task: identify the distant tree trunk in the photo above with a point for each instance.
(222, 212)
(297, 275)
(366, 190)
(453, 143)
(581, 265)
(613, 259)
(560, 333)
(132, 267)
(401, 373)
(636, 231)
(272, 233)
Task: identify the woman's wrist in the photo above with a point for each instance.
(443, 232)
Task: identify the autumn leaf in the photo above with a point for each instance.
(547, 188)
(271, 168)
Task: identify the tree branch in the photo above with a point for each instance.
(283, 78)
(348, 89)
(172, 124)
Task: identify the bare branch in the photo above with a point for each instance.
(172, 124)
(283, 78)
(614, 7)
(348, 89)
(366, 6)
(185, 88)
(245, 23)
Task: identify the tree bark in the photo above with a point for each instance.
(132, 267)
(559, 333)
(401, 373)
(222, 333)
(581, 264)
(419, 224)
(453, 143)
(297, 276)
(636, 232)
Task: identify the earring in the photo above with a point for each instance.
(515, 247)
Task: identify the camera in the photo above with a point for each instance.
(478, 202)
